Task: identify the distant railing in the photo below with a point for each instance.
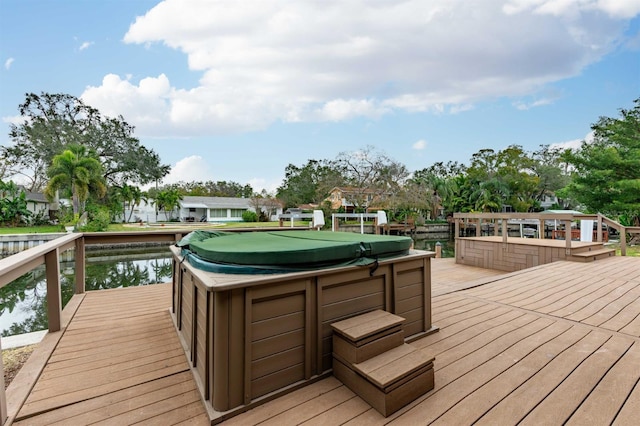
(565, 219)
(354, 216)
(48, 254)
(292, 217)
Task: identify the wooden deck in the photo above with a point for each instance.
(547, 345)
(119, 361)
(553, 344)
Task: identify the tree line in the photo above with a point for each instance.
(69, 149)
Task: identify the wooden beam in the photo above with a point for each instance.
(80, 265)
(505, 230)
(3, 395)
(54, 299)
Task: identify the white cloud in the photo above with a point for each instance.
(258, 184)
(268, 61)
(573, 144)
(190, 169)
(456, 109)
(572, 8)
(340, 109)
(525, 106)
(14, 119)
(419, 145)
(195, 168)
(8, 62)
(85, 45)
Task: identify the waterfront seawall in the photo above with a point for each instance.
(15, 243)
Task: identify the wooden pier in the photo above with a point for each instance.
(546, 345)
(118, 361)
(555, 344)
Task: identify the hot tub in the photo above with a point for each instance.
(252, 337)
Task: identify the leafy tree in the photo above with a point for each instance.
(606, 172)
(370, 175)
(212, 189)
(13, 204)
(309, 184)
(78, 172)
(52, 122)
(434, 187)
(516, 179)
(550, 169)
(264, 205)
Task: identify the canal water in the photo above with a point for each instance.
(23, 303)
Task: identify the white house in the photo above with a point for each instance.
(200, 209)
(37, 203)
(221, 209)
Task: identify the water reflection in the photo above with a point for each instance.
(448, 247)
(23, 303)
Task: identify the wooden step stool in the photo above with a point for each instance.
(362, 337)
(371, 358)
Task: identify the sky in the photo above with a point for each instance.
(237, 90)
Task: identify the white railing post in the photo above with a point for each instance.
(54, 299)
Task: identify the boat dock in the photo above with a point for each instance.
(545, 345)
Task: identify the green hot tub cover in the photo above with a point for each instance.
(282, 251)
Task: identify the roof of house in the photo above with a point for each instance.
(36, 196)
(215, 202)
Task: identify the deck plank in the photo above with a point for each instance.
(534, 359)
(602, 405)
(553, 343)
(120, 361)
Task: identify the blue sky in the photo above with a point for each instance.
(237, 90)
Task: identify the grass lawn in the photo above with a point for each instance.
(48, 229)
(115, 227)
(631, 250)
(218, 226)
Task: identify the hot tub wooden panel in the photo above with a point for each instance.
(251, 338)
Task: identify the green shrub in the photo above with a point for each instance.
(99, 220)
(249, 216)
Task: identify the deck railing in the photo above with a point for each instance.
(48, 254)
(502, 219)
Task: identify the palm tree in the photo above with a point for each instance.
(137, 196)
(78, 171)
(168, 200)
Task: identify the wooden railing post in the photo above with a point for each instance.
(3, 394)
(505, 230)
(54, 299)
(567, 237)
(599, 228)
(80, 264)
(623, 241)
